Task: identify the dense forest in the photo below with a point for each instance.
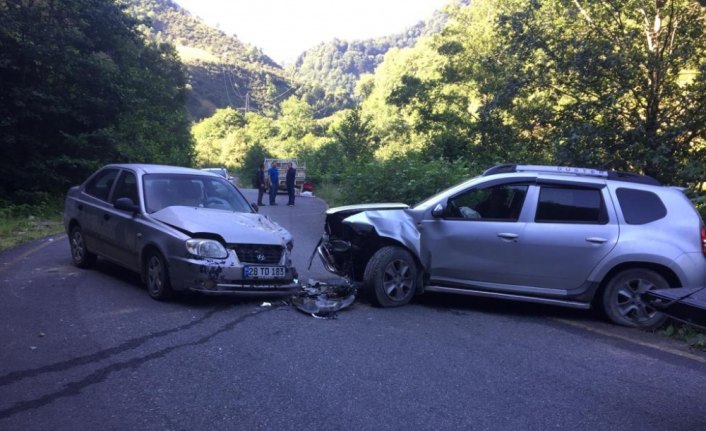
(81, 87)
(617, 85)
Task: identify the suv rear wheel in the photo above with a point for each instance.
(623, 302)
(390, 277)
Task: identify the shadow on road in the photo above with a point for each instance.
(459, 304)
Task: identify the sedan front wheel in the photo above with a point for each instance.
(157, 277)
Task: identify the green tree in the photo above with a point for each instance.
(214, 137)
(80, 88)
(354, 136)
(619, 84)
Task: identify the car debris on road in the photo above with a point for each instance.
(322, 300)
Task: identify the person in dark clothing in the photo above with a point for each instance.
(261, 185)
(274, 182)
(291, 175)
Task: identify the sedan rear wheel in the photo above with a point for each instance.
(157, 277)
(391, 277)
(623, 302)
(79, 253)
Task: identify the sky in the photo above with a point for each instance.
(283, 29)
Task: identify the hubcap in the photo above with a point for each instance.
(397, 280)
(630, 303)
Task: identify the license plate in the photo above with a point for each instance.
(263, 272)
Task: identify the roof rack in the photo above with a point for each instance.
(568, 170)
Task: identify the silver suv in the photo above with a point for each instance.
(573, 237)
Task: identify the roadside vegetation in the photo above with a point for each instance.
(23, 223)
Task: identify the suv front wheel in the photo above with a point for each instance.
(623, 302)
(390, 277)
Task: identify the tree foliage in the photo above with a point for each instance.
(82, 88)
(614, 84)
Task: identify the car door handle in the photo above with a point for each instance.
(596, 240)
(106, 216)
(509, 236)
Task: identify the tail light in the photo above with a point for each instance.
(703, 240)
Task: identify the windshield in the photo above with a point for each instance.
(164, 190)
(431, 200)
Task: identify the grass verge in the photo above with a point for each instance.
(23, 223)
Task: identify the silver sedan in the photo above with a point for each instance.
(181, 229)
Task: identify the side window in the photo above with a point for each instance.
(570, 205)
(500, 203)
(101, 184)
(639, 206)
(126, 188)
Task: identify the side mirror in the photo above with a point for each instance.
(255, 207)
(439, 211)
(126, 204)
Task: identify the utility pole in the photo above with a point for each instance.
(247, 101)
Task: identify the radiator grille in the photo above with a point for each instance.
(258, 254)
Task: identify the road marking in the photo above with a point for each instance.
(46, 243)
(686, 355)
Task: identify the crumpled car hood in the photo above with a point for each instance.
(234, 227)
(352, 209)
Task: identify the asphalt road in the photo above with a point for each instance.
(88, 349)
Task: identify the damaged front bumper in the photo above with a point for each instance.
(334, 255)
(226, 277)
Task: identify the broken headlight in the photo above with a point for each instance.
(206, 248)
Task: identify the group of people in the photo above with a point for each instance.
(269, 180)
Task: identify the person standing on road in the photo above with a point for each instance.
(260, 183)
(291, 175)
(274, 182)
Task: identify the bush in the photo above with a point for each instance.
(408, 179)
(20, 223)
(694, 337)
(252, 160)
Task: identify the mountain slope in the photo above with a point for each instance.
(222, 70)
(330, 70)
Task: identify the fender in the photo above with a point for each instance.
(397, 225)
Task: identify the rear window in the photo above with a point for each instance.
(100, 185)
(570, 205)
(640, 206)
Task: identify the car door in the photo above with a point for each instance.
(92, 208)
(475, 242)
(121, 229)
(569, 231)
